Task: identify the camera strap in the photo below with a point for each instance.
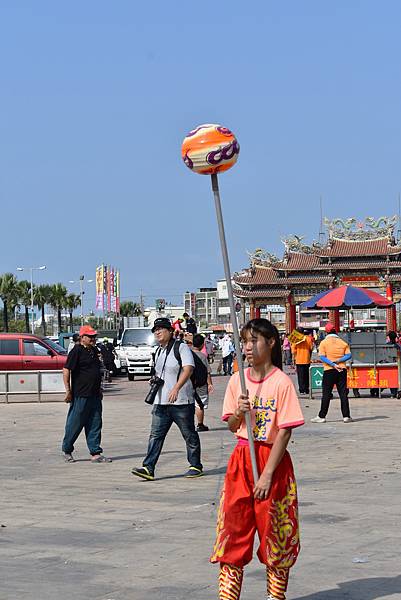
(159, 351)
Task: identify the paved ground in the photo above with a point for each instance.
(95, 532)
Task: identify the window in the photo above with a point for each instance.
(32, 348)
(9, 347)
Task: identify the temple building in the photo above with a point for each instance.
(362, 254)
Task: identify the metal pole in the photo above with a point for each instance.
(82, 298)
(33, 322)
(227, 272)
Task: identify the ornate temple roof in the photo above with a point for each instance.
(372, 242)
(343, 248)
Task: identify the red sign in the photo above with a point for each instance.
(367, 377)
(357, 278)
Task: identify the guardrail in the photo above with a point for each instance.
(18, 383)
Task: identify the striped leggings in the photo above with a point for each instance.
(230, 582)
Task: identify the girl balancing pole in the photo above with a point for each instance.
(270, 505)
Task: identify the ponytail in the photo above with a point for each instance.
(269, 331)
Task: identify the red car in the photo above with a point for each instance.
(19, 351)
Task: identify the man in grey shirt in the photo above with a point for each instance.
(174, 403)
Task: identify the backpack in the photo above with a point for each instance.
(200, 373)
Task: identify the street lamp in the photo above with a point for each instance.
(32, 269)
(81, 293)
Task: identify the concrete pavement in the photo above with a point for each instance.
(95, 532)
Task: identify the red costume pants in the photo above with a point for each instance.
(240, 515)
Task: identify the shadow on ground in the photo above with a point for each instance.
(218, 471)
(359, 589)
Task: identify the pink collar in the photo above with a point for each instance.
(248, 374)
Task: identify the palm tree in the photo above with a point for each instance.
(58, 293)
(41, 298)
(8, 294)
(130, 309)
(72, 301)
(137, 309)
(127, 309)
(24, 297)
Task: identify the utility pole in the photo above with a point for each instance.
(321, 232)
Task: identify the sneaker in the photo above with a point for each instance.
(348, 420)
(143, 472)
(202, 427)
(193, 472)
(318, 420)
(69, 458)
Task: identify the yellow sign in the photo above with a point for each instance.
(295, 337)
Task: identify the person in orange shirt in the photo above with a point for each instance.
(334, 352)
(302, 352)
(269, 505)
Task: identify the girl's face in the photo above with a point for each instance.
(257, 349)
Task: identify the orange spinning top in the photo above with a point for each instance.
(210, 149)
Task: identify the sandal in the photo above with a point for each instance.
(101, 459)
(69, 458)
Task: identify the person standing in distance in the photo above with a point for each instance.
(334, 352)
(82, 382)
(174, 403)
(190, 324)
(302, 352)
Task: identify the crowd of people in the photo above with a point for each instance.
(179, 392)
(333, 352)
(181, 379)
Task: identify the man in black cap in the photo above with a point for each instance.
(190, 324)
(174, 402)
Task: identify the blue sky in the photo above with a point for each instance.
(96, 97)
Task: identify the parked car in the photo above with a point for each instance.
(135, 351)
(20, 351)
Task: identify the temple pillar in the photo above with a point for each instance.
(334, 318)
(252, 309)
(290, 315)
(257, 312)
(391, 315)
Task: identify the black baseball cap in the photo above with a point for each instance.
(162, 323)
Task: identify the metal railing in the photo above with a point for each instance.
(25, 383)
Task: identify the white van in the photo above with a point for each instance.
(135, 351)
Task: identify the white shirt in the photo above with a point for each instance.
(171, 373)
(227, 346)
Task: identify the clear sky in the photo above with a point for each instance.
(96, 97)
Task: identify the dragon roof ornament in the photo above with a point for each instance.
(262, 258)
(294, 243)
(370, 229)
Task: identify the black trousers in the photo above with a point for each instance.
(227, 364)
(332, 378)
(303, 378)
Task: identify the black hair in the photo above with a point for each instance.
(185, 315)
(265, 328)
(392, 336)
(198, 340)
(75, 337)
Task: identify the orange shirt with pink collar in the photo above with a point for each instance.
(274, 404)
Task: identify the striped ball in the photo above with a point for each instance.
(210, 149)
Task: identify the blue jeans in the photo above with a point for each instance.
(163, 416)
(84, 413)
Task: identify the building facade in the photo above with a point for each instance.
(363, 254)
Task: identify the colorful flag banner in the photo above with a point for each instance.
(99, 288)
(107, 289)
(118, 293)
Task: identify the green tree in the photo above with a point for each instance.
(72, 302)
(8, 294)
(130, 309)
(58, 294)
(41, 298)
(24, 297)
